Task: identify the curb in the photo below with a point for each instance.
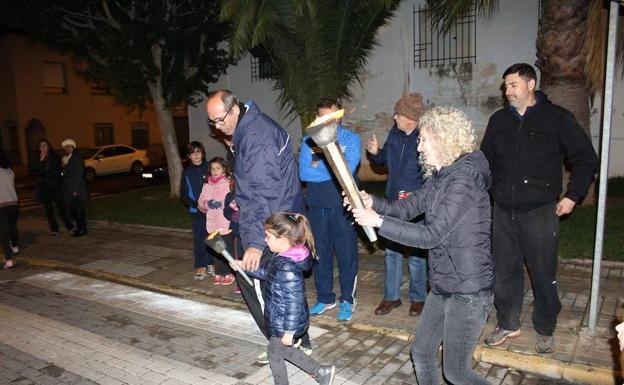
(540, 365)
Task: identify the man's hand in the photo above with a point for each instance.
(367, 199)
(367, 217)
(287, 339)
(565, 206)
(251, 259)
(372, 145)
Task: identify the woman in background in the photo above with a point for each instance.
(49, 190)
(9, 212)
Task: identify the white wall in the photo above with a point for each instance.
(616, 149)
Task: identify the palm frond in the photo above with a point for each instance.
(318, 48)
(446, 13)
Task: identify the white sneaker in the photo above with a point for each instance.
(263, 358)
(15, 249)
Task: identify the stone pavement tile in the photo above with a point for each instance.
(26, 320)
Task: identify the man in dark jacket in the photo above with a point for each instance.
(266, 176)
(400, 155)
(526, 144)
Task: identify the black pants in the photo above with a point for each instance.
(9, 235)
(50, 215)
(76, 209)
(250, 295)
(530, 237)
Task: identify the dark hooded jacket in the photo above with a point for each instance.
(456, 228)
(284, 293)
(526, 155)
(74, 182)
(400, 155)
(266, 173)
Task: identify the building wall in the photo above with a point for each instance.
(507, 38)
(71, 114)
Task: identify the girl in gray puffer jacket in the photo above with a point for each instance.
(290, 240)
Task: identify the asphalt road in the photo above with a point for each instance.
(103, 185)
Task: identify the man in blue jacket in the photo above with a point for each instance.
(330, 222)
(266, 176)
(400, 155)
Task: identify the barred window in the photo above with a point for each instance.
(261, 68)
(432, 47)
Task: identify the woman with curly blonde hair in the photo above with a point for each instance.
(456, 230)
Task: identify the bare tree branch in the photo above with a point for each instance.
(109, 17)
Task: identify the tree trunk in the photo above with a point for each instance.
(562, 27)
(169, 140)
(167, 130)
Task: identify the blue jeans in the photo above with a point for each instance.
(334, 233)
(456, 321)
(394, 275)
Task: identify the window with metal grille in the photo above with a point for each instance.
(261, 68)
(140, 134)
(103, 133)
(432, 47)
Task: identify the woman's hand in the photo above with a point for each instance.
(367, 199)
(367, 217)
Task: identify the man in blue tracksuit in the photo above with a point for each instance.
(400, 155)
(330, 222)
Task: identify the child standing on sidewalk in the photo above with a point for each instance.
(291, 243)
(211, 202)
(190, 187)
(231, 212)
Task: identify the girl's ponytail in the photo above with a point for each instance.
(292, 226)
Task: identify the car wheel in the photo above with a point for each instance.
(136, 167)
(89, 174)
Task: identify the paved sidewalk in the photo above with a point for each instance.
(162, 259)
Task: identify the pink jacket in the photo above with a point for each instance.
(211, 202)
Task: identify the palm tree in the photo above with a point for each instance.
(570, 48)
(316, 48)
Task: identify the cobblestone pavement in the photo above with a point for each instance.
(61, 328)
(164, 257)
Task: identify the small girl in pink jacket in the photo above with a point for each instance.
(211, 202)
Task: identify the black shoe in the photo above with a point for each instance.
(325, 375)
(78, 233)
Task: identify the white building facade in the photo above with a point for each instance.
(409, 59)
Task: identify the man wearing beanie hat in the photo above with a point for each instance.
(75, 191)
(400, 155)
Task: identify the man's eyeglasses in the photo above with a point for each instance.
(213, 123)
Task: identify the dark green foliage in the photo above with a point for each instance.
(114, 43)
(317, 48)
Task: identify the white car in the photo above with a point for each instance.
(112, 159)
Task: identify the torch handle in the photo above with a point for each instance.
(341, 170)
(232, 262)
